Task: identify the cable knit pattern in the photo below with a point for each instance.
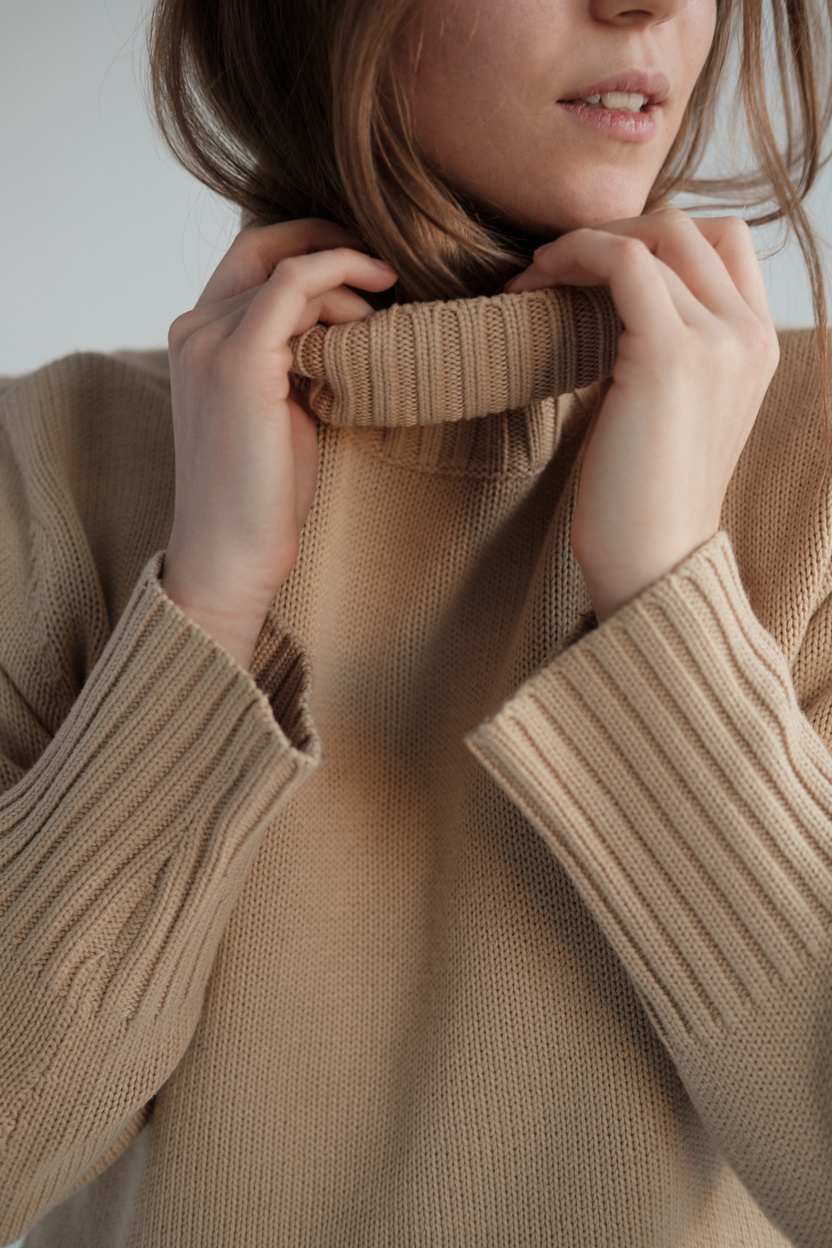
(460, 919)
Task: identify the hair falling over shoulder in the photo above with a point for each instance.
(291, 110)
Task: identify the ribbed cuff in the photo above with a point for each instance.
(666, 762)
(125, 842)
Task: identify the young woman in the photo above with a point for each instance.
(415, 719)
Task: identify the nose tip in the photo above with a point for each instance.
(624, 13)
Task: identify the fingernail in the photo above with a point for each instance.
(541, 251)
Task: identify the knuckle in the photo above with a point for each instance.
(245, 241)
(192, 355)
(753, 332)
(634, 250)
(774, 348)
(251, 237)
(577, 236)
(752, 343)
(289, 270)
(200, 353)
(767, 348)
(258, 249)
(736, 227)
(675, 216)
(670, 220)
(180, 331)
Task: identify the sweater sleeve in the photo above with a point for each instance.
(127, 832)
(668, 765)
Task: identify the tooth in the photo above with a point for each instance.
(622, 100)
(615, 99)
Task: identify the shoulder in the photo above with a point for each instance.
(797, 373)
(779, 503)
(792, 408)
(87, 467)
(789, 439)
(88, 387)
(87, 408)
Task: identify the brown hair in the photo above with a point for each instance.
(289, 110)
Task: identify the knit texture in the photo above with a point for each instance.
(459, 919)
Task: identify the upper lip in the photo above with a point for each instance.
(651, 82)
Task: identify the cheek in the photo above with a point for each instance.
(702, 31)
(474, 56)
(454, 106)
(696, 38)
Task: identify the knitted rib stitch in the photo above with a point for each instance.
(459, 919)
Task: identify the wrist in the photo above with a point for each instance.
(235, 627)
(611, 591)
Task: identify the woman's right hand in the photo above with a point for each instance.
(245, 444)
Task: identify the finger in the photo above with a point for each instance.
(208, 313)
(255, 253)
(704, 251)
(288, 303)
(679, 245)
(714, 257)
(338, 307)
(732, 241)
(534, 278)
(343, 305)
(648, 294)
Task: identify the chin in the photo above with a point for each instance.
(592, 210)
(597, 215)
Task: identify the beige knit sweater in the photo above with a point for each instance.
(463, 921)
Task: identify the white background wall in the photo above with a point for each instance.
(103, 239)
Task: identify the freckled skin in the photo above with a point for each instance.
(485, 96)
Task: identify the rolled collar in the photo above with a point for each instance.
(440, 362)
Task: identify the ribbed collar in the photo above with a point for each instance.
(438, 362)
(478, 387)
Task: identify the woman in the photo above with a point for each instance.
(415, 721)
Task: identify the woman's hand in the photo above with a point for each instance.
(695, 359)
(246, 447)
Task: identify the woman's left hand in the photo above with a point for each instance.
(694, 361)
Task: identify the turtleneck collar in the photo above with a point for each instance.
(438, 362)
(484, 387)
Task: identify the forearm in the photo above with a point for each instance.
(124, 849)
(666, 763)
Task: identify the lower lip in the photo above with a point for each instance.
(631, 127)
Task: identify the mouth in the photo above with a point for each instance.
(628, 91)
(629, 117)
(614, 101)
